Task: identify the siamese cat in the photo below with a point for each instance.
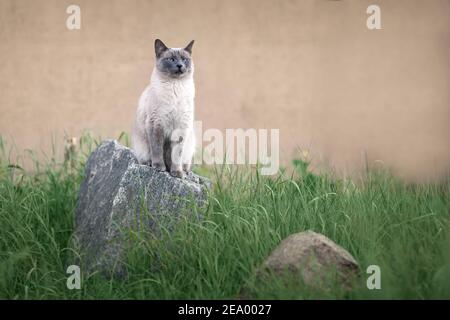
(163, 134)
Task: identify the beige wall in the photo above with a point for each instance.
(310, 68)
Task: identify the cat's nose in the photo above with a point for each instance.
(179, 66)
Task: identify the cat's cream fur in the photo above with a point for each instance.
(163, 135)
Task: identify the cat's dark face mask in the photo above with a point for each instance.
(175, 63)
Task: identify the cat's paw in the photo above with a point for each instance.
(178, 174)
(159, 166)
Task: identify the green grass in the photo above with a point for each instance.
(402, 228)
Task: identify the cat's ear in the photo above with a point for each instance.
(189, 47)
(160, 47)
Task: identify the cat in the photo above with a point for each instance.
(163, 134)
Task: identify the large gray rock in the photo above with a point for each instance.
(117, 194)
(317, 261)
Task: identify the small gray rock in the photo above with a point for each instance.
(117, 194)
(313, 257)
